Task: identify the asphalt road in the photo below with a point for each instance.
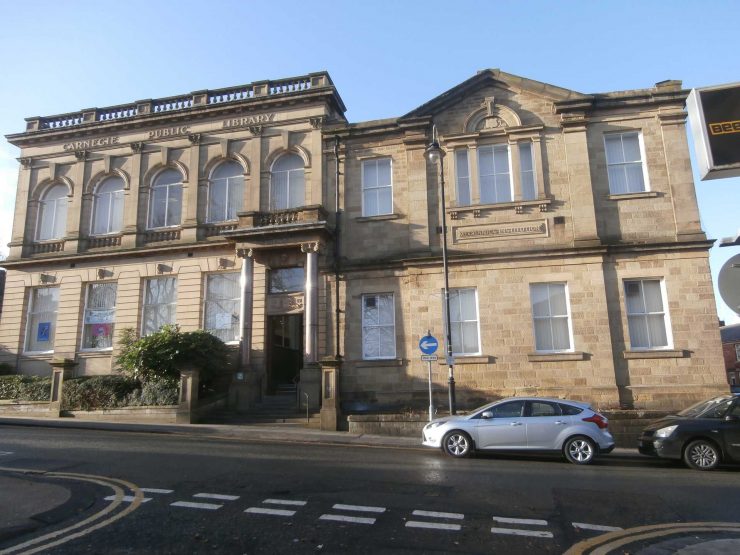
(174, 494)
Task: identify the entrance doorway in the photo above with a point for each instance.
(285, 350)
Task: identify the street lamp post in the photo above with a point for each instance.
(435, 154)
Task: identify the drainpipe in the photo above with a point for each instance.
(337, 310)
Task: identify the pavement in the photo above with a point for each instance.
(36, 502)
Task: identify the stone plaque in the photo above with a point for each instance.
(489, 232)
(287, 303)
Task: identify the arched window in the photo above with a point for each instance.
(165, 206)
(108, 206)
(53, 213)
(225, 193)
(287, 188)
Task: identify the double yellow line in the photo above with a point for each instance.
(102, 518)
(606, 543)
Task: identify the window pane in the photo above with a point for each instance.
(288, 162)
(529, 190)
(279, 191)
(217, 201)
(227, 170)
(42, 316)
(470, 337)
(634, 177)
(558, 304)
(485, 161)
(159, 304)
(221, 310)
(158, 208)
(116, 219)
(370, 316)
(236, 197)
(638, 332)
(60, 218)
(287, 280)
(378, 326)
(503, 188)
(617, 180)
(370, 199)
(613, 149)
(501, 159)
(525, 157)
(387, 341)
(384, 172)
(656, 328)
(540, 300)
(385, 200)
(369, 174)
(174, 205)
(487, 189)
(297, 191)
(653, 295)
(560, 334)
(168, 177)
(99, 317)
(370, 342)
(543, 335)
(385, 306)
(631, 145)
(633, 297)
(468, 308)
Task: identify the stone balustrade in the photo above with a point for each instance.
(240, 93)
(313, 213)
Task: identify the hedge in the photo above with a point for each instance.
(107, 392)
(25, 388)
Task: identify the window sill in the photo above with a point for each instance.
(379, 362)
(556, 357)
(378, 218)
(466, 359)
(629, 196)
(94, 353)
(38, 355)
(665, 353)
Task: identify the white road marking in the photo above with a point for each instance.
(217, 496)
(285, 502)
(359, 508)
(433, 525)
(434, 514)
(343, 518)
(531, 521)
(3, 453)
(266, 511)
(597, 527)
(155, 490)
(515, 532)
(191, 505)
(127, 498)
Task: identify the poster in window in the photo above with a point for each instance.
(222, 321)
(43, 332)
(100, 330)
(100, 316)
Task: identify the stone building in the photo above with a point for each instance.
(577, 264)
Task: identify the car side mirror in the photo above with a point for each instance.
(486, 414)
(732, 418)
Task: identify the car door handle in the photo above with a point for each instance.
(560, 423)
(515, 423)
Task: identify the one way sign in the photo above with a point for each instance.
(428, 344)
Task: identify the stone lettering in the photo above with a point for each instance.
(500, 231)
(246, 121)
(169, 132)
(88, 144)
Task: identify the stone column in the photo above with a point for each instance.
(311, 304)
(131, 199)
(245, 308)
(74, 210)
(190, 192)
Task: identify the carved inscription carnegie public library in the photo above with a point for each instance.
(489, 232)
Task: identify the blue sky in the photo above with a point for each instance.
(385, 57)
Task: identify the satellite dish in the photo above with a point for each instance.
(729, 283)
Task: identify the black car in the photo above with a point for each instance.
(703, 435)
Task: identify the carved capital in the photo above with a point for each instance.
(544, 207)
(81, 154)
(137, 147)
(255, 130)
(194, 138)
(244, 253)
(26, 162)
(310, 247)
(317, 122)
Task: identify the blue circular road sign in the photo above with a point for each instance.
(428, 344)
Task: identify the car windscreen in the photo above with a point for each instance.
(708, 409)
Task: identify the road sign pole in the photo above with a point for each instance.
(431, 400)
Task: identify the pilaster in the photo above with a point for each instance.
(23, 205)
(131, 199)
(190, 192)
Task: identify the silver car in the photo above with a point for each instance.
(524, 424)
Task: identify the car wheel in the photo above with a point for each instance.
(457, 444)
(701, 454)
(579, 450)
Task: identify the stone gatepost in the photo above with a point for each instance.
(330, 401)
(189, 382)
(60, 368)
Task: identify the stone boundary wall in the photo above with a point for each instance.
(625, 425)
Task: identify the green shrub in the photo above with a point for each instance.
(25, 388)
(155, 393)
(97, 392)
(163, 354)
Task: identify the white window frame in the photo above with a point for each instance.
(493, 148)
(114, 196)
(289, 173)
(522, 172)
(84, 316)
(206, 301)
(737, 352)
(29, 312)
(643, 160)
(457, 290)
(64, 200)
(364, 325)
(211, 182)
(665, 313)
(144, 305)
(376, 188)
(550, 316)
(166, 186)
(469, 177)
